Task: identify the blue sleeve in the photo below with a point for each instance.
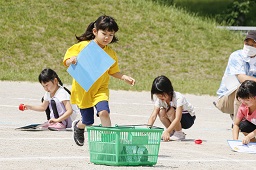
(236, 65)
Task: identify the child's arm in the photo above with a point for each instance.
(235, 130)
(176, 120)
(65, 115)
(153, 116)
(39, 108)
(248, 137)
(126, 78)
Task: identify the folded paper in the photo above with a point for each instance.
(92, 63)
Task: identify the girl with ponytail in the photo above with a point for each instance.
(102, 32)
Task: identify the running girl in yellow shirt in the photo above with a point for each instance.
(102, 31)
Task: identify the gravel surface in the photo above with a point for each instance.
(57, 150)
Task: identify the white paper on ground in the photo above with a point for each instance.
(238, 146)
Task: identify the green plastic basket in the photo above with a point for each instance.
(131, 145)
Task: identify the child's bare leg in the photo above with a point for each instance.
(253, 140)
(178, 127)
(104, 118)
(80, 125)
(245, 133)
(163, 118)
(171, 117)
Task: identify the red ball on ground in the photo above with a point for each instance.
(198, 141)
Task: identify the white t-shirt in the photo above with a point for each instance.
(177, 100)
(60, 96)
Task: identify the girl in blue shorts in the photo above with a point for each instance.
(102, 31)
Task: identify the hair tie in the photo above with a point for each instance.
(158, 88)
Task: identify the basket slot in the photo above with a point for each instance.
(154, 137)
(108, 137)
(140, 140)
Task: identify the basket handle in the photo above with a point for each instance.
(149, 126)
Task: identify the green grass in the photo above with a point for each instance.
(154, 39)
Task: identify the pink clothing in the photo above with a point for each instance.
(243, 113)
(60, 96)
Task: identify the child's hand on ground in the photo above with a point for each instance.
(53, 120)
(246, 140)
(166, 136)
(128, 79)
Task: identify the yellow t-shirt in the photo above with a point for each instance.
(99, 90)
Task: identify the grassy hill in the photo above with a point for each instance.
(154, 39)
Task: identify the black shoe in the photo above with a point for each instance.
(78, 134)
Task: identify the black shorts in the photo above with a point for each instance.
(187, 120)
(246, 126)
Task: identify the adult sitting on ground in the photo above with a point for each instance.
(241, 66)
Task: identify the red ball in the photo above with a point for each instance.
(21, 107)
(198, 141)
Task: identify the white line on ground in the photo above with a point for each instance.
(20, 98)
(119, 103)
(205, 160)
(122, 103)
(142, 104)
(40, 158)
(80, 157)
(8, 106)
(129, 115)
(34, 138)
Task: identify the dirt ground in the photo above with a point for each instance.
(57, 150)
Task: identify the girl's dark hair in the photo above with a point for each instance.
(161, 85)
(105, 23)
(246, 90)
(48, 75)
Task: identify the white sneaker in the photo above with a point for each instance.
(172, 133)
(178, 136)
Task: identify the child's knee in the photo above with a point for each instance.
(171, 113)
(103, 113)
(162, 112)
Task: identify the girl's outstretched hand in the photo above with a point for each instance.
(27, 107)
(129, 80)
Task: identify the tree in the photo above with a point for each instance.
(236, 13)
